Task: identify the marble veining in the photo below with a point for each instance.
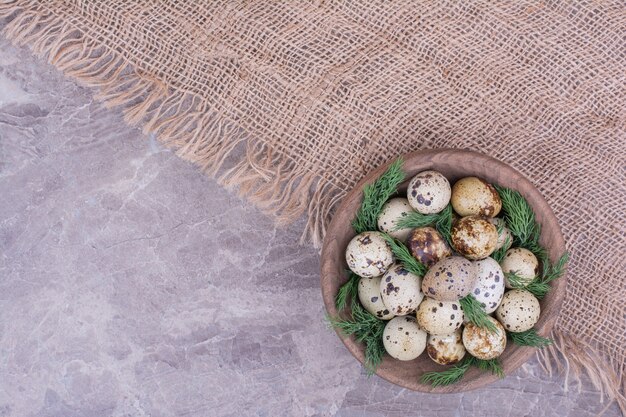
(133, 285)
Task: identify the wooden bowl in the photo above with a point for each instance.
(454, 164)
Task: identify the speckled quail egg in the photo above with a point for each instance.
(403, 339)
(522, 263)
(449, 279)
(392, 211)
(519, 311)
(400, 290)
(504, 234)
(489, 286)
(368, 254)
(482, 343)
(372, 301)
(439, 317)
(428, 246)
(429, 192)
(446, 349)
(474, 237)
(474, 196)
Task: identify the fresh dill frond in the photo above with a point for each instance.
(540, 285)
(498, 255)
(366, 329)
(403, 256)
(449, 376)
(414, 219)
(492, 365)
(553, 272)
(529, 338)
(475, 314)
(444, 224)
(519, 216)
(348, 291)
(375, 195)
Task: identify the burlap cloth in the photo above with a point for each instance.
(316, 94)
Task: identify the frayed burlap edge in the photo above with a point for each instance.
(268, 179)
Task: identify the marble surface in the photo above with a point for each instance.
(133, 285)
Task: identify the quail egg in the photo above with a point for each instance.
(400, 290)
(446, 349)
(429, 192)
(482, 343)
(489, 286)
(474, 237)
(428, 246)
(439, 317)
(519, 311)
(403, 339)
(474, 196)
(368, 254)
(504, 234)
(449, 279)
(392, 211)
(522, 263)
(371, 300)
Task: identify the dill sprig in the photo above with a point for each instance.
(375, 195)
(540, 285)
(529, 338)
(449, 376)
(519, 216)
(348, 291)
(415, 219)
(492, 365)
(444, 224)
(498, 255)
(367, 329)
(403, 255)
(475, 314)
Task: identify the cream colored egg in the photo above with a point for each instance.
(449, 279)
(400, 290)
(368, 254)
(429, 192)
(489, 286)
(474, 196)
(519, 311)
(504, 234)
(439, 317)
(392, 211)
(446, 349)
(474, 237)
(522, 263)
(371, 299)
(428, 246)
(482, 343)
(403, 339)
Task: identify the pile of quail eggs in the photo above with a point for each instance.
(425, 313)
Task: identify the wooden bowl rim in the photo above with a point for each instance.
(551, 304)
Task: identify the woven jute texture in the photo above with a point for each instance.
(314, 95)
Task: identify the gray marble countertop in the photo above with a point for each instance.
(133, 285)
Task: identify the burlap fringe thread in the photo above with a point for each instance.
(202, 135)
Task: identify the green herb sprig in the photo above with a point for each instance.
(348, 291)
(475, 314)
(492, 365)
(403, 255)
(367, 329)
(375, 195)
(455, 373)
(415, 219)
(529, 338)
(444, 224)
(498, 255)
(540, 285)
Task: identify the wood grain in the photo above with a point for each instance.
(454, 164)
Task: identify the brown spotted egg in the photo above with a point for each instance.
(368, 254)
(489, 286)
(371, 299)
(400, 290)
(439, 317)
(522, 263)
(474, 237)
(482, 343)
(504, 234)
(403, 339)
(446, 349)
(519, 311)
(392, 211)
(474, 196)
(428, 246)
(429, 192)
(449, 279)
